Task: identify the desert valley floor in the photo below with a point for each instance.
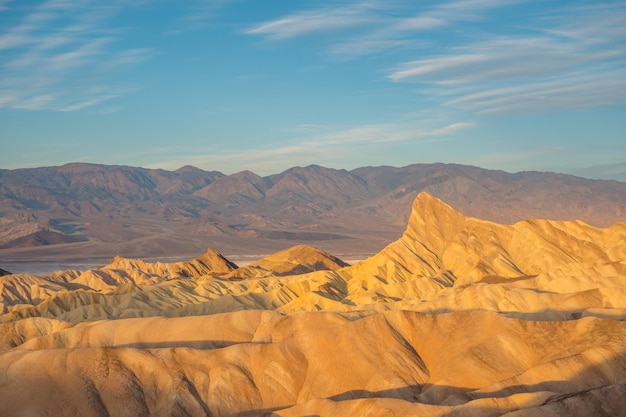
(458, 317)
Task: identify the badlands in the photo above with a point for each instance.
(458, 317)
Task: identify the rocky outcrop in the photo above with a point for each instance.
(458, 317)
(297, 260)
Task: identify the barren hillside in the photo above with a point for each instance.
(458, 317)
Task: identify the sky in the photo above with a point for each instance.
(232, 85)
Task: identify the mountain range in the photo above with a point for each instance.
(88, 210)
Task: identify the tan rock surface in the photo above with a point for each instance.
(261, 361)
(296, 260)
(459, 317)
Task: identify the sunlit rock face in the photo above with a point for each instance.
(459, 316)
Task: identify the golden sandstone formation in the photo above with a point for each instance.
(459, 317)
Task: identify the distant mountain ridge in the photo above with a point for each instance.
(116, 205)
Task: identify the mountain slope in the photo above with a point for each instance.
(442, 253)
(497, 195)
(441, 241)
(257, 362)
(105, 210)
(296, 260)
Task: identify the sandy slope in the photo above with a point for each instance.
(458, 317)
(260, 360)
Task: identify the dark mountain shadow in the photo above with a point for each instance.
(191, 344)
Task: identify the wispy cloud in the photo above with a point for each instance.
(418, 23)
(314, 145)
(566, 57)
(505, 58)
(60, 54)
(378, 28)
(382, 133)
(315, 21)
(34, 102)
(474, 5)
(575, 91)
(577, 61)
(515, 157)
(88, 103)
(606, 171)
(359, 47)
(196, 15)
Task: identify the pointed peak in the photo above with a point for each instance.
(304, 254)
(211, 252)
(121, 262)
(246, 174)
(216, 260)
(188, 168)
(425, 201)
(431, 215)
(424, 196)
(117, 259)
(296, 260)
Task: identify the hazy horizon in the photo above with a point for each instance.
(283, 170)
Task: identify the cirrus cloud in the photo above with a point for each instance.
(61, 55)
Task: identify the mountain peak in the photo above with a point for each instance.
(215, 261)
(425, 199)
(188, 168)
(210, 262)
(296, 260)
(431, 215)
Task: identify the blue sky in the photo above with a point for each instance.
(265, 85)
